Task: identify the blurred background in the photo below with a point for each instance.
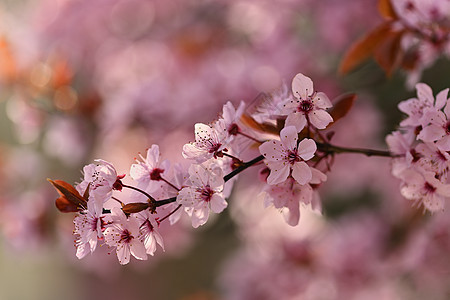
(81, 80)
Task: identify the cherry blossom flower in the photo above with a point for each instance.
(148, 232)
(209, 142)
(269, 109)
(426, 38)
(415, 107)
(288, 195)
(88, 227)
(123, 233)
(148, 171)
(204, 193)
(400, 144)
(286, 158)
(434, 159)
(308, 107)
(424, 188)
(238, 140)
(101, 179)
(231, 117)
(437, 124)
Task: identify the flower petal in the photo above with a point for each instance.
(289, 136)
(272, 150)
(301, 172)
(321, 100)
(441, 100)
(425, 93)
(307, 148)
(320, 118)
(123, 253)
(137, 249)
(218, 203)
(186, 197)
(200, 215)
(279, 171)
(431, 133)
(302, 86)
(296, 119)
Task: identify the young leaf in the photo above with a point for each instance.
(70, 200)
(386, 9)
(341, 106)
(364, 48)
(265, 127)
(389, 52)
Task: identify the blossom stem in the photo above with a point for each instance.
(227, 177)
(230, 156)
(331, 149)
(170, 184)
(165, 201)
(140, 191)
(171, 213)
(243, 167)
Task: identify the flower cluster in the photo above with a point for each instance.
(414, 34)
(421, 148)
(287, 129)
(424, 27)
(162, 191)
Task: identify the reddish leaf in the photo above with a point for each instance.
(387, 10)
(65, 206)
(389, 52)
(70, 200)
(135, 207)
(364, 48)
(341, 106)
(265, 127)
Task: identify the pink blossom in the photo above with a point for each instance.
(286, 158)
(101, 179)
(415, 107)
(88, 228)
(308, 107)
(148, 171)
(148, 232)
(269, 108)
(401, 144)
(238, 140)
(436, 123)
(434, 159)
(231, 117)
(204, 193)
(123, 233)
(209, 142)
(288, 195)
(424, 188)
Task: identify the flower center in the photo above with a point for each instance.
(206, 193)
(126, 236)
(409, 6)
(429, 188)
(156, 174)
(146, 227)
(93, 223)
(447, 127)
(233, 129)
(305, 106)
(213, 148)
(441, 156)
(293, 157)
